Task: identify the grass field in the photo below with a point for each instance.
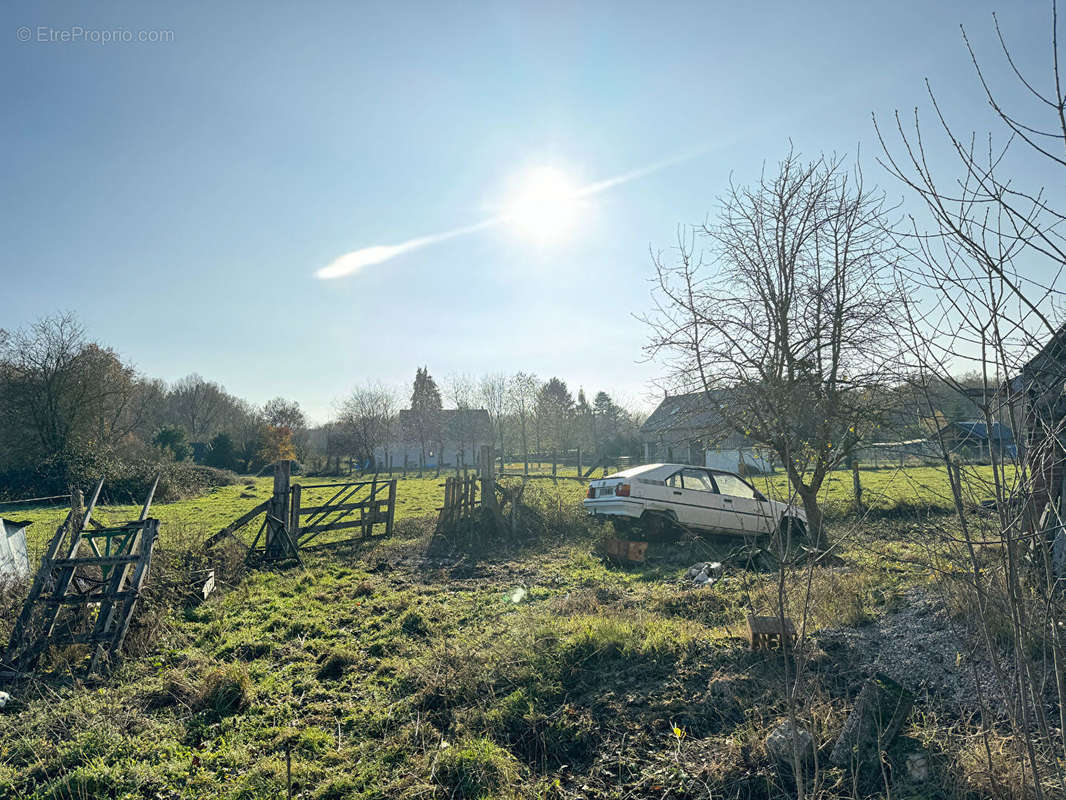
(884, 490)
(420, 668)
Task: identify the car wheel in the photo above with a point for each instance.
(658, 527)
(623, 526)
(790, 533)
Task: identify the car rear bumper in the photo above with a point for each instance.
(614, 507)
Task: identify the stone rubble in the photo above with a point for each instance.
(924, 650)
(705, 573)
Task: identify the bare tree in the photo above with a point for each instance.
(59, 391)
(287, 415)
(368, 417)
(492, 391)
(522, 390)
(990, 251)
(460, 392)
(789, 326)
(197, 405)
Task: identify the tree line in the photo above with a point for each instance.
(522, 415)
(72, 408)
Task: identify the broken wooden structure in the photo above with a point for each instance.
(626, 550)
(770, 632)
(86, 591)
(462, 499)
(297, 517)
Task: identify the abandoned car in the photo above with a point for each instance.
(663, 498)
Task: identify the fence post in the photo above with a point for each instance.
(294, 513)
(579, 462)
(392, 507)
(856, 484)
(555, 464)
(488, 480)
(278, 509)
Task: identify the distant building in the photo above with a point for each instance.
(973, 441)
(461, 434)
(691, 429)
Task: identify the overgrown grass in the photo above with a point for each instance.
(413, 667)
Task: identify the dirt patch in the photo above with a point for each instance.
(923, 649)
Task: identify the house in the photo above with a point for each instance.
(972, 440)
(691, 429)
(455, 439)
(1038, 403)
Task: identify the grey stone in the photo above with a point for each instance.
(780, 742)
(880, 711)
(917, 767)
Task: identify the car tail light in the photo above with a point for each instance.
(591, 493)
(622, 490)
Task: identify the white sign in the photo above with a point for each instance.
(14, 559)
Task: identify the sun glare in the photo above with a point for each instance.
(544, 204)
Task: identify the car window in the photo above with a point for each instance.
(674, 480)
(733, 485)
(697, 479)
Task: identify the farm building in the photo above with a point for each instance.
(973, 441)
(455, 439)
(690, 429)
(1038, 395)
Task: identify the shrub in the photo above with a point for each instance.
(413, 623)
(476, 768)
(225, 690)
(335, 663)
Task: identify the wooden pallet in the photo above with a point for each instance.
(85, 592)
(766, 632)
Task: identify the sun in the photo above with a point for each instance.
(543, 205)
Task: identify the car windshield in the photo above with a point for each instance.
(733, 485)
(697, 479)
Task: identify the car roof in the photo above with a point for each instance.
(661, 471)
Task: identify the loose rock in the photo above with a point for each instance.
(779, 745)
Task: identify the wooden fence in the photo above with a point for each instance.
(302, 516)
(462, 497)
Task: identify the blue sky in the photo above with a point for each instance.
(179, 196)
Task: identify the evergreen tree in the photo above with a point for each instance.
(222, 452)
(555, 408)
(425, 410)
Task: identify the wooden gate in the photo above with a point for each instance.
(305, 516)
(461, 499)
(86, 591)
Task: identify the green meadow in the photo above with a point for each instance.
(457, 666)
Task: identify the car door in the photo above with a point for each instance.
(750, 514)
(680, 500)
(702, 504)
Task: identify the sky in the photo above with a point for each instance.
(181, 193)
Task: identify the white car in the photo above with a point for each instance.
(658, 495)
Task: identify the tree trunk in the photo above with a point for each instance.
(815, 518)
